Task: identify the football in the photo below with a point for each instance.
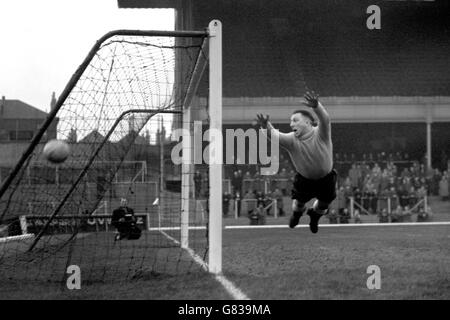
(56, 151)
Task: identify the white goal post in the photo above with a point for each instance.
(215, 156)
(215, 166)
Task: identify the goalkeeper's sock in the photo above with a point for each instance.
(296, 215)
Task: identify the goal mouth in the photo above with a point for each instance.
(112, 114)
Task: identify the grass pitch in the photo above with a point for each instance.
(285, 264)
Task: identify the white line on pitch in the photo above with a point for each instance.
(16, 238)
(282, 226)
(391, 224)
(232, 290)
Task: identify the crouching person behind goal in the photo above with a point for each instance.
(124, 221)
(311, 151)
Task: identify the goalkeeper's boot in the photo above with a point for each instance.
(295, 218)
(314, 220)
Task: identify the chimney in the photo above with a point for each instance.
(2, 106)
(53, 102)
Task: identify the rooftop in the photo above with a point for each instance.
(17, 109)
(280, 48)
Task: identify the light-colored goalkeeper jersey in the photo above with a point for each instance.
(311, 154)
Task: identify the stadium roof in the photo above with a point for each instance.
(278, 48)
(16, 109)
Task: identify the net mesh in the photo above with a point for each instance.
(54, 216)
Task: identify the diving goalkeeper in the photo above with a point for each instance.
(311, 151)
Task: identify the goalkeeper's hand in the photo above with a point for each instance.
(262, 121)
(312, 99)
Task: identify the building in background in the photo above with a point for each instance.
(19, 122)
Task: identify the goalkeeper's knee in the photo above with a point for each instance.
(298, 206)
(320, 207)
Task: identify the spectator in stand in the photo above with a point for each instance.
(247, 182)
(383, 199)
(443, 187)
(237, 198)
(250, 201)
(205, 186)
(374, 201)
(422, 171)
(367, 195)
(348, 192)
(340, 199)
(258, 214)
(392, 183)
(344, 216)
(435, 182)
(357, 216)
(397, 214)
(261, 197)
(226, 203)
(355, 175)
(357, 196)
(424, 183)
(407, 215)
(412, 197)
(393, 196)
(376, 180)
(198, 183)
(384, 216)
(421, 194)
(407, 183)
(424, 215)
(384, 180)
(258, 182)
(347, 183)
(403, 195)
(448, 185)
(376, 169)
(405, 173)
(283, 183)
(278, 196)
(332, 216)
(236, 183)
(365, 175)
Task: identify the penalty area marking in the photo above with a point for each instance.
(229, 286)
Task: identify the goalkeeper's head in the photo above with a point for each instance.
(302, 121)
(123, 202)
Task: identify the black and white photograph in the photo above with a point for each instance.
(241, 152)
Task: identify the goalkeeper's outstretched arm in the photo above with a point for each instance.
(312, 101)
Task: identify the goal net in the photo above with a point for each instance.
(121, 113)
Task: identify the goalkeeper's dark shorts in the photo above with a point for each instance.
(324, 189)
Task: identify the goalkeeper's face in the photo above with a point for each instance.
(300, 124)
